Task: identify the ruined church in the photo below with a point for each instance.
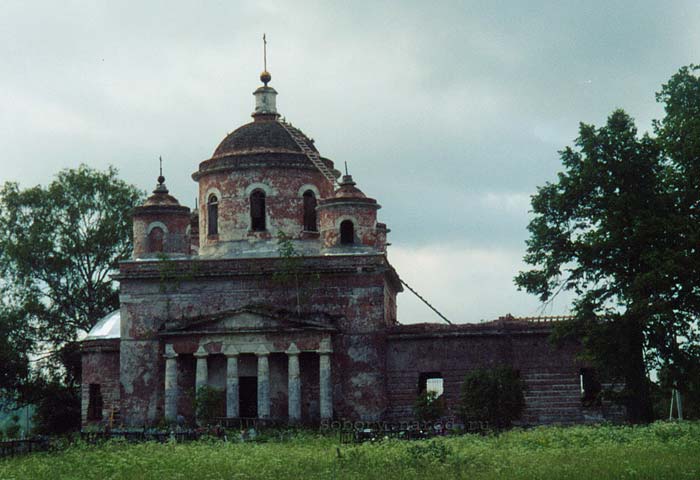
(278, 293)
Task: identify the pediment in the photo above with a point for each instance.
(252, 320)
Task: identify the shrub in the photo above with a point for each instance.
(12, 431)
(431, 451)
(428, 407)
(492, 395)
(209, 403)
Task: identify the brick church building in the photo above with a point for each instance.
(278, 292)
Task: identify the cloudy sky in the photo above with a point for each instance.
(449, 113)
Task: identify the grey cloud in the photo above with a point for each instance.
(435, 106)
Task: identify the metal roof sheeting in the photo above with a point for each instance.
(108, 327)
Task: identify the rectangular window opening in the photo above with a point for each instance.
(431, 382)
(590, 386)
(94, 402)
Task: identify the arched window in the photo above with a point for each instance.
(347, 232)
(212, 215)
(257, 211)
(310, 212)
(155, 240)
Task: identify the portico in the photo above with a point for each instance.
(253, 359)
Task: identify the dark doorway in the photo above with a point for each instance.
(248, 396)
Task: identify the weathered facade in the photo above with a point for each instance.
(278, 292)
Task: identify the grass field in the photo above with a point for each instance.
(658, 451)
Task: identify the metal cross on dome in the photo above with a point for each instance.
(264, 53)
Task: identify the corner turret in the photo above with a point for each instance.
(161, 225)
(348, 221)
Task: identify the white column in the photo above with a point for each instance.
(293, 384)
(170, 384)
(202, 372)
(263, 383)
(232, 408)
(325, 385)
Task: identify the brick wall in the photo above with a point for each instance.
(550, 374)
(100, 365)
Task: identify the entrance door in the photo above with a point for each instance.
(248, 396)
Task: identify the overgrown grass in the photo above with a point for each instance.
(658, 451)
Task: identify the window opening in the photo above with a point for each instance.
(94, 402)
(347, 232)
(310, 224)
(213, 215)
(155, 240)
(257, 211)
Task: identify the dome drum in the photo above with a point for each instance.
(284, 208)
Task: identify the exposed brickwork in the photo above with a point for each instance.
(100, 365)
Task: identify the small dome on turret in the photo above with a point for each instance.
(347, 189)
(161, 196)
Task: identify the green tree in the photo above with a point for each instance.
(678, 133)
(16, 342)
(58, 246)
(57, 408)
(594, 233)
(619, 229)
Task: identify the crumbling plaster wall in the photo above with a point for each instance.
(364, 219)
(356, 296)
(284, 202)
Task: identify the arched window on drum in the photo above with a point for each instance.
(155, 239)
(212, 215)
(310, 221)
(347, 232)
(257, 211)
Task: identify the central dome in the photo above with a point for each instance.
(259, 136)
(267, 142)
